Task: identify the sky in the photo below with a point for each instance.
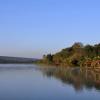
(31, 28)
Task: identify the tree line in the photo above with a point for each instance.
(73, 56)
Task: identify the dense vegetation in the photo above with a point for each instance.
(74, 55)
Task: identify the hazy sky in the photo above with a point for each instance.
(31, 28)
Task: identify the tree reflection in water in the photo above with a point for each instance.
(76, 77)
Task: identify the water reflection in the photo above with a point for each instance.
(27, 82)
(8, 67)
(76, 77)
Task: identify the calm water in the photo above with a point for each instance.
(32, 82)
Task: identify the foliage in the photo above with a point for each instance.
(74, 55)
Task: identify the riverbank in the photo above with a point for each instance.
(74, 56)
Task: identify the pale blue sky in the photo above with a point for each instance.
(31, 28)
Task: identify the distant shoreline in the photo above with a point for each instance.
(16, 60)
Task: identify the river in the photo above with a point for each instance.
(35, 82)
